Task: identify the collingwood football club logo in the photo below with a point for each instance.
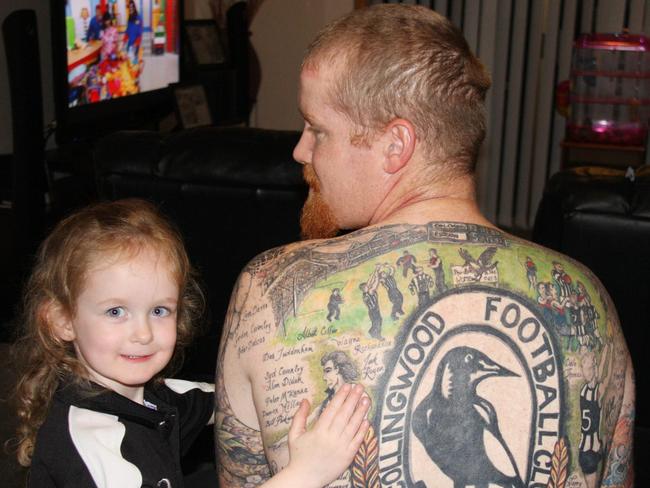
(475, 391)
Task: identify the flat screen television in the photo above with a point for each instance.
(113, 62)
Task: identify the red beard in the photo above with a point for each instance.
(317, 220)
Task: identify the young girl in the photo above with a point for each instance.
(109, 308)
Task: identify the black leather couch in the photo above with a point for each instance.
(601, 218)
(233, 192)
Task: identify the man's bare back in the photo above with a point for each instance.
(509, 374)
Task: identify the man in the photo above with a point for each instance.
(334, 304)
(406, 261)
(371, 300)
(338, 369)
(591, 447)
(531, 272)
(96, 25)
(420, 285)
(562, 280)
(435, 263)
(476, 388)
(387, 279)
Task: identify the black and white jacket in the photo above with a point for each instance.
(105, 440)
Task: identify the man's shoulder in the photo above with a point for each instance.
(467, 243)
(468, 257)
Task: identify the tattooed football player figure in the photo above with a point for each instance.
(482, 372)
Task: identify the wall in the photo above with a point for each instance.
(281, 31)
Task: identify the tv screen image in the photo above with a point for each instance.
(117, 48)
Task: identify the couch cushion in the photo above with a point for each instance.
(239, 156)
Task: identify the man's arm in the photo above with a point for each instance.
(240, 452)
(618, 469)
(373, 280)
(603, 363)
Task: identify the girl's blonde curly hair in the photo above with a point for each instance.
(96, 233)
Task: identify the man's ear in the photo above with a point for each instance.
(400, 145)
(58, 320)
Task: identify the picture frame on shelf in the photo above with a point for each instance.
(192, 109)
(205, 43)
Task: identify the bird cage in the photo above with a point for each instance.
(609, 94)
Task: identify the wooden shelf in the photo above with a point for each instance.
(611, 155)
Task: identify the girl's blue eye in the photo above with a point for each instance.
(160, 312)
(115, 312)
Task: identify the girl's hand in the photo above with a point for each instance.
(319, 455)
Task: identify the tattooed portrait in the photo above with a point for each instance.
(338, 369)
(490, 361)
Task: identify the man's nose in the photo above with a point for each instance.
(302, 152)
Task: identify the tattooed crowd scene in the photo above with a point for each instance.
(490, 361)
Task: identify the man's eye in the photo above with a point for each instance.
(161, 312)
(116, 312)
(316, 132)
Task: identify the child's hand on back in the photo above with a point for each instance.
(319, 455)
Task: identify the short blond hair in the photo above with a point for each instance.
(407, 61)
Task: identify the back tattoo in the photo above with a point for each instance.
(490, 361)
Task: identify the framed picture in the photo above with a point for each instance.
(192, 106)
(204, 40)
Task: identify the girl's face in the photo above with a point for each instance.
(124, 328)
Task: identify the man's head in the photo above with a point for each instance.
(406, 61)
(338, 369)
(382, 82)
(98, 12)
(542, 289)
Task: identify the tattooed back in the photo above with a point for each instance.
(490, 361)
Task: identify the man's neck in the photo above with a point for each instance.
(452, 201)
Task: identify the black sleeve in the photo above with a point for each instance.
(195, 409)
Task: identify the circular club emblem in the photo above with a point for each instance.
(473, 394)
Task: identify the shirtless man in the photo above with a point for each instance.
(475, 387)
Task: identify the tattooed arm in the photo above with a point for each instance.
(238, 440)
(619, 472)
